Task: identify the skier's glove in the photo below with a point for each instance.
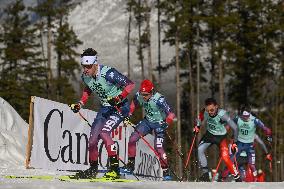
(269, 139)
(196, 130)
(234, 148)
(115, 101)
(75, 107)
(268, 157)
(163, 124)
(127, 121)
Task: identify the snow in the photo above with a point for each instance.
(13, 140)
(13, 136)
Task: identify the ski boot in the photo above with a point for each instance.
(238, 178)
(204, 177)
(166, 175)
(113, 171)
(87, 174)
(130, 166)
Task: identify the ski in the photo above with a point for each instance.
(67, 178)
(39, 177)
(102, 179)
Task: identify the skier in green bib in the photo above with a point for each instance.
(158, 117)
(215, 119)
(112, 89)
(247, 124)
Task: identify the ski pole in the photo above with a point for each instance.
(151, 147)
(83, 117)
(189, 154)
(175, 144)
(132, 172)
(219, 163)
(270, 162)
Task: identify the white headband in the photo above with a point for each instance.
(245, 113)
(88, 60)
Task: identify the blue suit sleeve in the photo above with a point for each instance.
(164, 106)
(118, 79)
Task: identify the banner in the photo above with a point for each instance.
(60, 141)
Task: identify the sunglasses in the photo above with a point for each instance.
(145, 94)
(88, 66)
(211, 110)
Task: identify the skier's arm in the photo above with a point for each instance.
(134, 103)
(263, 127)
(164, 106)
(121, 81)
(77, 106)
(198, 121)
(86, 93)
(200, 118)
(232, 124)
(263, 146)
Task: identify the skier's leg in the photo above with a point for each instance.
(94, 139)
(112, 122)
(251, 162)
(203, 160)
(224, 152)
(93, 148)
(201, 155)
(141, 129)
(159, 147)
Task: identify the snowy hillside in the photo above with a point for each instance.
(102, 25)
(13, 136)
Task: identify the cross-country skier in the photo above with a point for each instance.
(247, 124)
(158, 117)
(112, 89)
(243, 161)
(215, 120)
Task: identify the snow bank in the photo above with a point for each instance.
(13, 136)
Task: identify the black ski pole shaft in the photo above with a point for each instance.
(132, 172)
(82, 117)
(85, 119)
(175, 144)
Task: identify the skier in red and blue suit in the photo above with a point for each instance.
(158, 117)
(112, 88)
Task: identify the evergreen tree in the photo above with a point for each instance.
(66, 42)
(54, 15)
(22, 70)
(173, 23)
(47, 11)
(254, 47)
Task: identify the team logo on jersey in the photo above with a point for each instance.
(111, 75)
(161, 99)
